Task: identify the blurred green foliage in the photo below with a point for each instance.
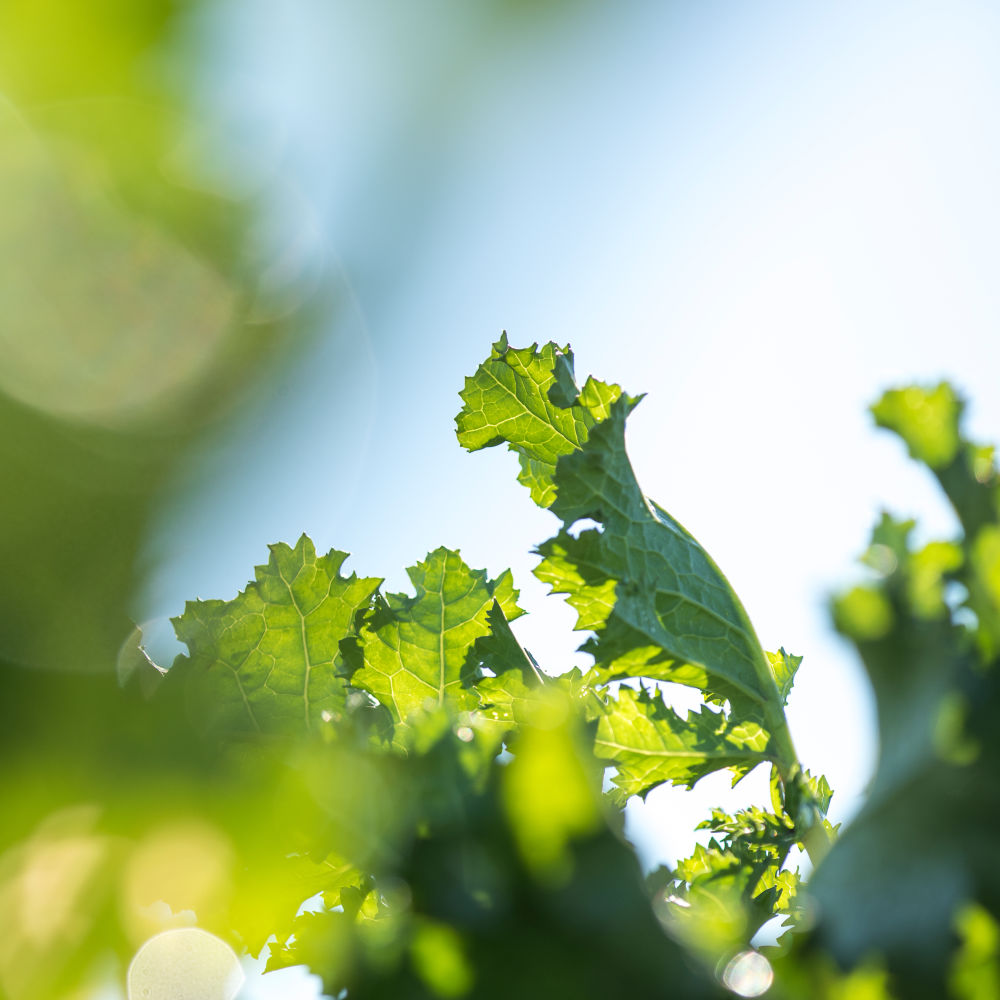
(399, 764)
(132, 316)
(922, 848)
(132, 321)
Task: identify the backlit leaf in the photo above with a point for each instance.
(269, 660)
(418, 651)
(649, 743)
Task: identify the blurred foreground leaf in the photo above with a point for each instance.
(923, 847)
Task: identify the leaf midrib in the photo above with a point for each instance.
(305, 647)
(528, 412)
(702, 755)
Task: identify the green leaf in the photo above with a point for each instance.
(572, 565)
(929, 570)
(657, 605)
(271, 890)
(715, 907)
(927, 830)
(929, 422)
(864, 613)
(509, 690)
(926, 419)
(499, 652)
(729, 888)
(528, 399)
(754, 835)
(418, 651)
(507, 698)
(641, 581)
(985, 558)
(323, 941)
(269, 660)
(975, 972)
(649, 743)
(521, 868)
(784, 667)
(669, 594)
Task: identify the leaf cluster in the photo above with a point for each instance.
(391, 790)
(434, 685)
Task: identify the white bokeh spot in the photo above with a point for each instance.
(184, 964)
(748, 974)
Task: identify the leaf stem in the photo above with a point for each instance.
(806, 815)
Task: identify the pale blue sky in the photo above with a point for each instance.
(761, 214)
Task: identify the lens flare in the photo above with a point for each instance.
(748, 974)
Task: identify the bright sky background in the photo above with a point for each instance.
(761, 214)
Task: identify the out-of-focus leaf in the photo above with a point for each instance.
(975, 974)
(548, 790)
(926, 419)
(463, 904)
(922, 847)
